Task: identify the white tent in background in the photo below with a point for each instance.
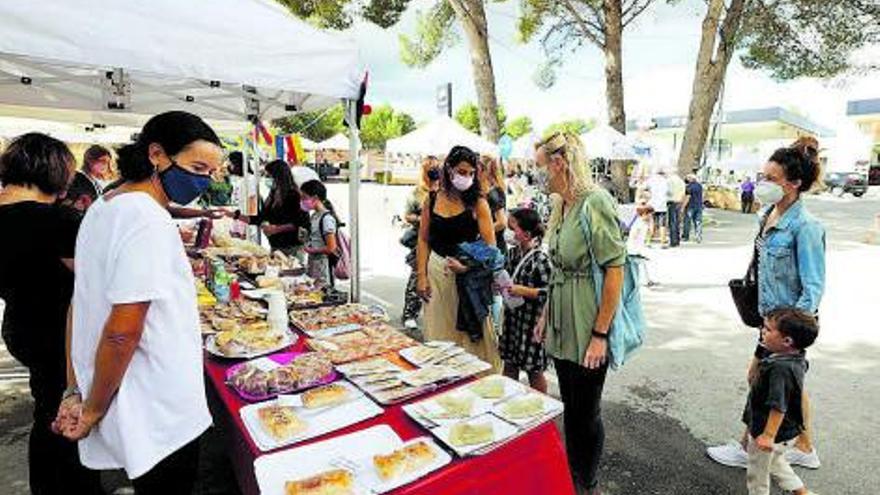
(606, 142)
(308, 144)
(336, 143)
(437, 137)
(121, 62)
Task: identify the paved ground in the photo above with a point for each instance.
(686, 387)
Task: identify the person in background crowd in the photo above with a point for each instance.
(791, 270)
(281, 217)
(494, 187)
(658, 185)
(674, 208)
(324, 224)
(637, 239)
(87, 185)
(747, 195)
(773, 413)
(693, 211)
(530, 269)
(36, 281)
(576, 320)
(136, 389)
(458, 212)
(429, 182)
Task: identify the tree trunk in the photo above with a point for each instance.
(613, 50)
(712, 63)
(472, 16)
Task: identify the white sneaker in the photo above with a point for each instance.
(797, 457)
(410, 324)
(731, 454)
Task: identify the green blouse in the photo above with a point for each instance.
(572, 303)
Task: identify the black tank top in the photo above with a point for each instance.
(446, 233)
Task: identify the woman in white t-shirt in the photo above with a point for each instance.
(135, 347)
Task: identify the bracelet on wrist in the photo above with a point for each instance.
(600, 335)
(70, 392)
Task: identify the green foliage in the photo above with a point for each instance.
(382, 124)
(468, 115)
(574, 126)
(807, 38)
(518, 127)
(313, 125)
(340, 14)
(434, 33)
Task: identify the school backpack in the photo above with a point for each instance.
(340, 262)
(628, 328)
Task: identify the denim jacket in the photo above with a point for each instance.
(791, 263)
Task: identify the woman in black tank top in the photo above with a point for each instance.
(457, 213)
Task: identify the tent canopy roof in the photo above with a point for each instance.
(437, 137)
(136, 57)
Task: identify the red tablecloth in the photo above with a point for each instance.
(534, 463)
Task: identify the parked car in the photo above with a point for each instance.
(840, 183)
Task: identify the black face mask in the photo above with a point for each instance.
(434, 174)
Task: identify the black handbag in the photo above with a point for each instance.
(410, 238)
(745, 290)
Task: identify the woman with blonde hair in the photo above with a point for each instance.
(429, 182)
(583, 229)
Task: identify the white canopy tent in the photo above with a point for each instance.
(437, 137)
(308, 144)
(606, 142)
(120, 62)
(524, 147)
(339, 142)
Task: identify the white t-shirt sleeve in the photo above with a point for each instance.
(139, 272)
(329, 224)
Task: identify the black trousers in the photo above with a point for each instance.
(673, 216)
(174, 475)
(54, 463)
(747, 200)
(581, 391)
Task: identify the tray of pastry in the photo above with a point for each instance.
(291, 419)
(266, 377)
(484, 415)
(368, 462)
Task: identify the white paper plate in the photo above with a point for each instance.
(273, 470)
(503, 431)
(426, 412)
(552, 408)
(211, 346)
(511, 387)
(371, 477)
(320, 421)
(382, 365)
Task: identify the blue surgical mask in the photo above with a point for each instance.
(181, 185)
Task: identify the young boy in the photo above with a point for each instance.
(773, 412)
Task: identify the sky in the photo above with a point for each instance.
(659, 57)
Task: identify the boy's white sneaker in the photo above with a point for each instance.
(730, 454)
(797, 457)
(411, 324)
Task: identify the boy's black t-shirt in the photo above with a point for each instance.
(37, 288)
(779, 386)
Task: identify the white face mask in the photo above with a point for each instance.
(462, 182)
(510, 236)
(769, 193)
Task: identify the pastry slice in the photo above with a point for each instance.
(489, 388)
(281, 422)
(335, 482)
(325, 396)
(464, 434)
(455, 406)
(524, 408)
(401, 462)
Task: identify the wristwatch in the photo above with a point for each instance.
(70, 391)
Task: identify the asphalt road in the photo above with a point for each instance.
(684, 390)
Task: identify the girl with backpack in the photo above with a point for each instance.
(322, 246)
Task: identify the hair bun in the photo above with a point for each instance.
(809, 147)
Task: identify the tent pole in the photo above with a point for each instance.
(354, 184)
(256, 179)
